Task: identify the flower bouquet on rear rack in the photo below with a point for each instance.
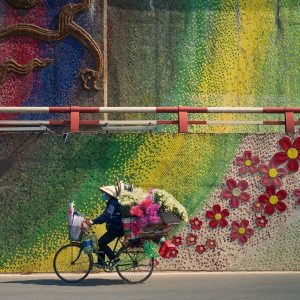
(148, 216)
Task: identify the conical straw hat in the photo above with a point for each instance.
(110, 190)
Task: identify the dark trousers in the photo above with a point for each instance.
(103, 242)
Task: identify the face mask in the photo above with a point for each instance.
(104, 197)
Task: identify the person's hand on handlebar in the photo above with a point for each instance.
(88, 222)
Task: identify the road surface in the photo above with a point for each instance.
(161, 286)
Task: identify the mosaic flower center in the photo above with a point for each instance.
(273, 173)
(192, 239)
(273, 200)
(242, 230)
(261, 221)
(218, 217)
(236, 192)
(248, 163)
(196, 223)
(292, 153)
(257, 204)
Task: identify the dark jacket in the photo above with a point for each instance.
(111, 216)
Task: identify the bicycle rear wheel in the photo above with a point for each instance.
(134, 267)
(71, 263)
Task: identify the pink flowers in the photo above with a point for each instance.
(290, 153)
(241, 231)
(217, 216)
(273, 200)
(248, 163)
(191, 239)
(261, 221)
(272, 174)
(146, 213)
(235, 192)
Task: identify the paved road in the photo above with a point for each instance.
(161, 286)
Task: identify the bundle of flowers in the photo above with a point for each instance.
(165, 200)
(168, 203)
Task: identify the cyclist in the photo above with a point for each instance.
(112, 217)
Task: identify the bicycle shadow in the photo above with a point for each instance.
(58, 282)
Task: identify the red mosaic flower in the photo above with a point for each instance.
(173, 253)
(241, 231)
(297, 193)
(272, 174)
(196, 223)
(273, 200)
(248, 163)
(290, 154)
(191, 239)
(200, 249)
(257, 206)
(212, 244)
(177, 240)
(217, 216)
(235, 192)
(261, 221)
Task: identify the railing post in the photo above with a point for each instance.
(74, 118)
(182, 120)
(289, 121)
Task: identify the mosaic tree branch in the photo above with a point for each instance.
(13, 66)
(66, 27)
(22, 3)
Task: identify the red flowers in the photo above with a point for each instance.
(248, 163)
(290, 154)
(297, 193)
(217, 216)
(236, 192)
(272, 200)
(191, 239)
(200, 249)
(272, 174)
(261, 221)
(196, 223)
(241, 231)
(177, 240)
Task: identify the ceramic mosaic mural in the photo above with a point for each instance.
(240, 184)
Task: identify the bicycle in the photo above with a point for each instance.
(72, 264)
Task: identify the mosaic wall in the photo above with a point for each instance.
(182, 52)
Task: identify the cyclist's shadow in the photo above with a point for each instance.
(58, 282)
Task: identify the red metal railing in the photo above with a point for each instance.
(182, 121)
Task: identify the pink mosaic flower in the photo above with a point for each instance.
(291, 153)
(200, 249)
(210, 243)
(248, 163)
(272, 174)
(173, 253)
(196, 223)
(297, 193)
(218, 216)
(191, 239)
(273, 200)
(261, 221)
(257, 206)
(177, 240)
(241, 231)
(235, 192)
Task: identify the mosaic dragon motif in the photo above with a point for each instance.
(66, 27)
(22, 3)
(13, 66)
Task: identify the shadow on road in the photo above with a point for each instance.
(58, 282)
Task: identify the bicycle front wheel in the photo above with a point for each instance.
(72, 264)
(135, 267)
